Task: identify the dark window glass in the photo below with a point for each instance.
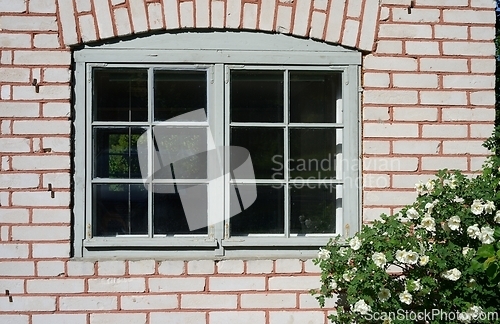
(313, 208)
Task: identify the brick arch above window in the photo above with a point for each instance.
(350, 23)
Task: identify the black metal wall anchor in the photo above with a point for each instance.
(36, 85)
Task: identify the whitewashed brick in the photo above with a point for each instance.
(284, 19)
(19, 180)
(469, 48)
(155, 16)
(217, 14)
(41, 162)
(390, 63)
(390, 130)
(46, 92)
(111, 268)
(483, 4)
(416, 15)
(354, 9)
(294, 283)
(389, 47)
(149, 302)
(171, 13)
(335, 21)
(308, 301)
(57, 144)
(386, 197)
(14, 286)
(138, 12)
(310, 317)
(482, 33)
(390, 164)
(476, 163)
(171, 268)
(415, 114)
(88, 303)
(117, 2)
(415, 80)
(122, 21)
(59, 318)
(468, 114)
(208, 301)
(230, 266)
(187, 15)
(202, 13)
(28, 23)
(17, 268)
(267, 11)
(56, 75)
(310, 267)
(178, 318)
(481, 130)
(368, 26)
(4, 233)
(19, 109)
(28, 304)
(50, 268)
(41, 127)
(5, 92)
(40, 233)
(13, 251)
(5, 127)
(233, 12)
(87, 28)
(40, 198)
(396, 2)
(443, 65)
(318, 20)
(320, 4)
(55, 286)
(177, 284)
(483, 65)
(141, 267)
(288, 266)
(83, 5)
(301, 21)
(444, 131)
(239, 317)
(376, 181)
(259, 266)
(371, 214)
(68, 21)
(4, 196)
(422, 48)
(250, 16)
(408, 181)
(450, 32)
(42, 58)
(405, 31)
(6, 57)
(51, 215)
(201, 267)
(469, 81)
(14, 74)
(12, 6)
(443, 3)
(350, 33)
(237, 283)
(113, 318)
(14, 145)
(376, 113)
(15, 40)
(46, 41)
(267, 300)
(80, 268)
(438, 163)
(470, 16)
(42, 6)
(464, 147)
(13, 215)
(482, 98)
(55, 109)
(117, 285)
(443, 98)
(376, 147)
(416, 147)
(51, 250)
(390, 97)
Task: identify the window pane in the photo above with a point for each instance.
(313, 208)
(115, 152)
(312, 153)
(120, 209)
(266, 149)
(180, 209)
(264, 216)
(179, 92)
(120, 94)
(256, 96)
(313, 97)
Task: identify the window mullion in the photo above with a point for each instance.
(286, 153)
(149, 180)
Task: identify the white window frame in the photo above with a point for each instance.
(218, 52)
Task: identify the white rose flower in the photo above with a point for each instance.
(348, 276)
(428, 223)
(458, 200)
(412, 213)
(384, 294)
(489, 207)
(452, 182)
(411, 257)
(343, 251)
(361, 307)
(323, 254)
(419, 187)
(429, 185)
(486, 235)
(497, 217)
(405, 297)
(416, 285)
(379, 259)
(454, 223)
(355, 243)
(400, 255)
(334, 284)
(452, 274)
(473, 231)
(424, 259)
(466, 250)
(477, 207)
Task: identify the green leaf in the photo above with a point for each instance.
(486, 251)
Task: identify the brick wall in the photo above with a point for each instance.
(428, 103)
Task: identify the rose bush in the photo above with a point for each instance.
(440, 253)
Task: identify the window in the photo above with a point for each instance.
(215, 144)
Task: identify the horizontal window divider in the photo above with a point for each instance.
(256, 181)
(254, 124)
(316, 125)
(117, 181)
(149, 242)
(316, 181)
(180, 123)
(119, 124)
(275, 241)
(180, 181)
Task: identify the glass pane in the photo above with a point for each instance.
(180, 209)
(119, 209)
(266, 149)
(264, 216)
(313, 152)
(313, 208)
(179, 92)
(313, 97)
(180, 152)
(257, 96)
(120, 94)
(115, 152)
